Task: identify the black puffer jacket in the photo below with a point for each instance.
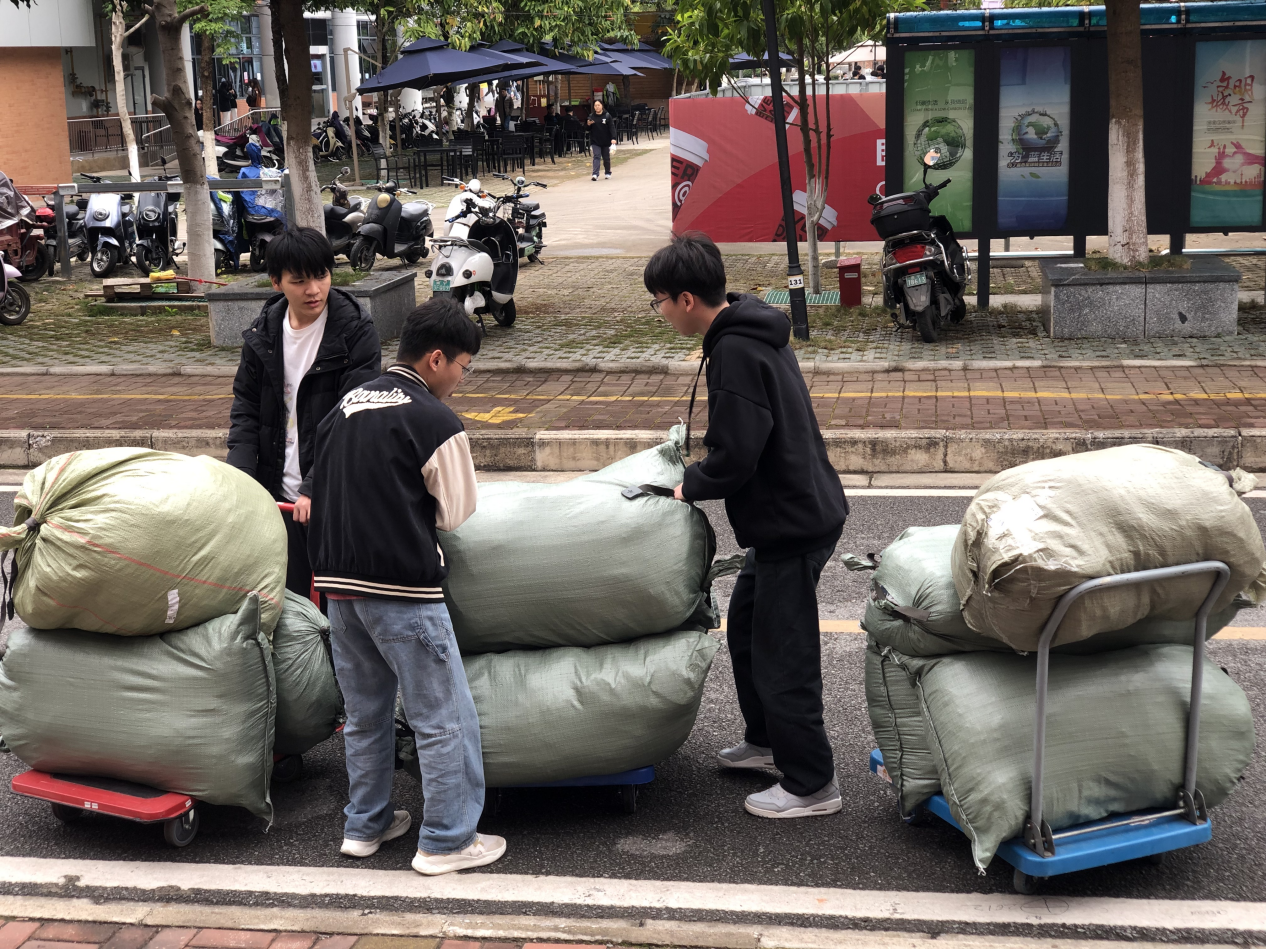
(766, 454)
(350, 354)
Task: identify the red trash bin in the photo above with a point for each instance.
(850, 281)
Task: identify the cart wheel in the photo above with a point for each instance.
(180, 831)
(65, 813)
(1022, 883)
(287, 769)
(628, 798)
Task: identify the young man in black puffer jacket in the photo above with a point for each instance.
(310, 345)
(768, 462)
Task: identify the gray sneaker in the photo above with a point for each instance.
(777, 802)
(744, 755)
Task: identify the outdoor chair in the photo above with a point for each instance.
(513, 153)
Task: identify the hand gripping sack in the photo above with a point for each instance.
(190, 712)
(137, 542)
(1034, 532)
(1116, 736)
(568, 712)
(579, 564)
(914, 608)
(309, 705)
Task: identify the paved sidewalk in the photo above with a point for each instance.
(1013, 399)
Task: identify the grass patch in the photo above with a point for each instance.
(1099, 261)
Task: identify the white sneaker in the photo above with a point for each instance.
(608, 176)
(595, 178)
(367, 848)
(778, 802)
(744, 755)
(486, 849)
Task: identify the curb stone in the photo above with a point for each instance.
(690, 367)
(867, 451)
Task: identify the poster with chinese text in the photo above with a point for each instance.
(1229, 134)
(1034, 102)
(940, 88)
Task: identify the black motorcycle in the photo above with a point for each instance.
(527, 218)
(925, 271)
(156, 244)
(343, 215)
(392, 229)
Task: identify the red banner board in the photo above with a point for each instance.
(725, 167)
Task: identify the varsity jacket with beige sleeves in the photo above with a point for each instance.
(392, 466)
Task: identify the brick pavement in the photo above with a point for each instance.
(33, 934)
(1093, 399)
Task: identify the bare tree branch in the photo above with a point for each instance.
(200, 10)
(136, 26)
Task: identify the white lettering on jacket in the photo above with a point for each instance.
(360, 399)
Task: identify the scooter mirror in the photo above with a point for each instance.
(874, 199)
(932, 157)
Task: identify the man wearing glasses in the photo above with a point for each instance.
(393, 468)
(783, 498)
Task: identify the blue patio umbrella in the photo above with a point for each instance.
(744, 61)
(428, 62)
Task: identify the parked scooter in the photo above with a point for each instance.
(329, 140)
(478, 258)
(392, 229)
(226, 226)
(111, 225)
(230, 150)
(76, 230)
(15, 302)
(343, 215)
(526, 217)
(924, 268)
(156, 244)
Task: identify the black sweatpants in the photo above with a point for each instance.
(298, 566)
(776, 651)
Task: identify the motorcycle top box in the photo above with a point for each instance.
(901, 214)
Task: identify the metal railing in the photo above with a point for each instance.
(104, 136)
(243, 122)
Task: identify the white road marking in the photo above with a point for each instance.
(993, 909)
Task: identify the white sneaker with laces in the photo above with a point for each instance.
(367, 848)
(486, 849)
(778, 802)
(744, 755)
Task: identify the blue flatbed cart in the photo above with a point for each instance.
(1042, 853)
(626, 783)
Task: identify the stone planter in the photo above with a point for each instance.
(1152, 304)
(388, 297)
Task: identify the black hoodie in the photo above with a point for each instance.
(766, 454)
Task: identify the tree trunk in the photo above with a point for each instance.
(206, 77)
(296, 109)
(380, 36)
(117, 35)
(1127, 209)
(810, 177)
(177, 105)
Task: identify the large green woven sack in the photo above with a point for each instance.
(577, 563)
(190, 712)
(896, 718)
(567, 712)
(1116, 732)
(914, 608)
(138, 542)
(309, 706)
(1034, 532)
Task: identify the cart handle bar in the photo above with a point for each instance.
(1037, 834)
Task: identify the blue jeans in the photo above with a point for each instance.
(385, 646)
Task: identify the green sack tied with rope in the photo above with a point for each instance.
(137, 542)
(309, 705)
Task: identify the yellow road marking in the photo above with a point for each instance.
(502, 413)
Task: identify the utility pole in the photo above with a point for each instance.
(795, 275)
(349, 115)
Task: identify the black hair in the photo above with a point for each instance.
(690, 264)
(303, 251)
(439, 323)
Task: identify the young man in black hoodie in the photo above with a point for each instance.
(768, 462)
(307, 348)
(393, 467)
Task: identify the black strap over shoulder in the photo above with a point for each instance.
(693, 392)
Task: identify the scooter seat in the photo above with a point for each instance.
(72, 212)
(335, 212)
(414, 211)
(478, 246)
(529, 205)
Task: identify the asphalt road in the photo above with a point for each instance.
(690, 824)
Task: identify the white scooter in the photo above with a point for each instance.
(15, 302)
(477, 259)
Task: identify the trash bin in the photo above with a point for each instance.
(850, 281)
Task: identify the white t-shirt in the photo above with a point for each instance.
(298, 349)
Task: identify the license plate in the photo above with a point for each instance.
(916, 279)
(441, 286)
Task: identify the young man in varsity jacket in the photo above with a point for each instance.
(392, 468)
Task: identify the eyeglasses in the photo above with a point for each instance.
(656, 304)
(466, 370)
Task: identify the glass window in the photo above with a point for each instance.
(366, 40)
(318, 31)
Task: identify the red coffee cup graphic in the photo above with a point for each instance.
(688, 156)
(800, 203)
(763, 108)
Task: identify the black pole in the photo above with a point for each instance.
(795, 276)
(63, 239)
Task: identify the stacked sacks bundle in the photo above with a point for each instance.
(582, 617)
(151, 584)
(952, 698)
